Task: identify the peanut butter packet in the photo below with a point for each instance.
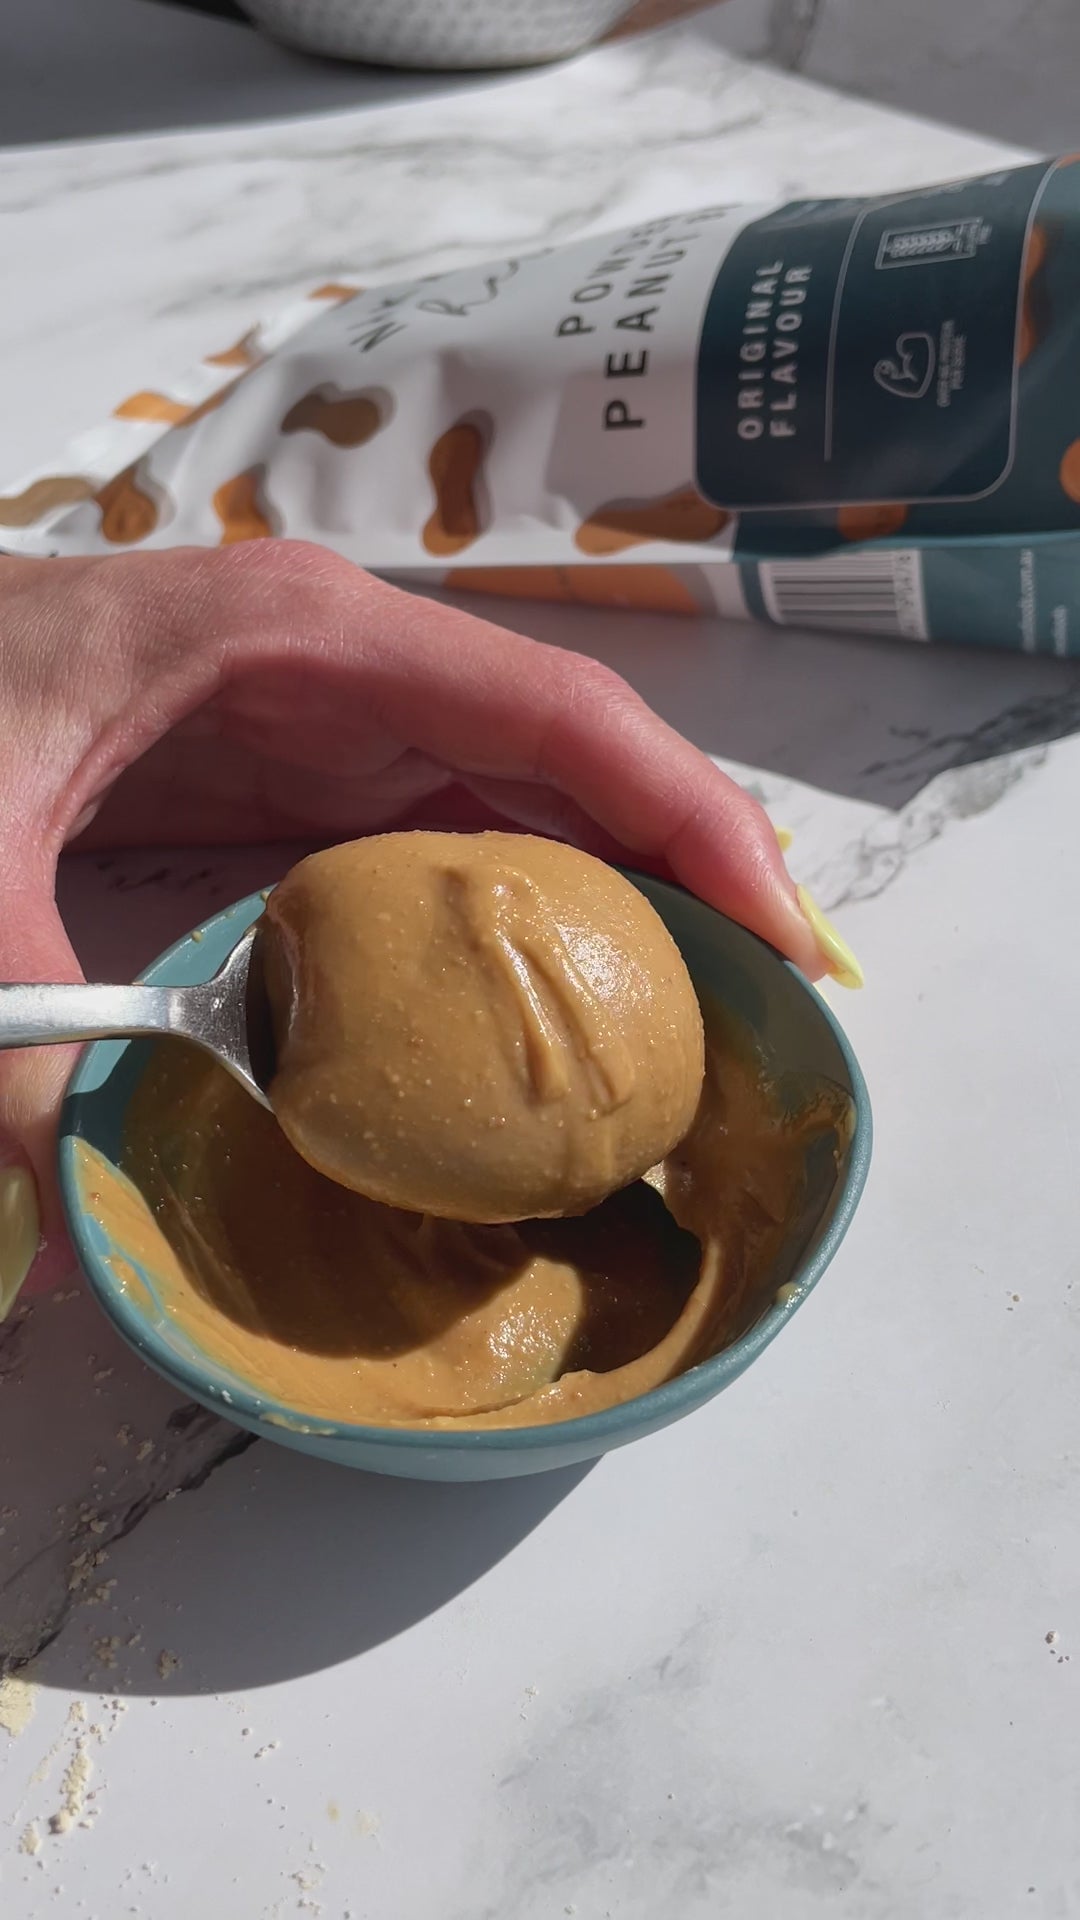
(860, 414)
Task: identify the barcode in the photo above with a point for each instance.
(850, 593)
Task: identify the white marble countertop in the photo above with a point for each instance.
(809, 1652)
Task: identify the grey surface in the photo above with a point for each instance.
(70, 69)
(74, 69)
(873, 720)
(1003, 67)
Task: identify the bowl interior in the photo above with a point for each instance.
(799, 1037)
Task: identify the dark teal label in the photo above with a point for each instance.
(1016, 594)
(866, 351)
(1020, 594)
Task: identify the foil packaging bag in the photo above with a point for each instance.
(861, 415)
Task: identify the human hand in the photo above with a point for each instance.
(275, 691)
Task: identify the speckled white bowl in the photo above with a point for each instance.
(439, 34)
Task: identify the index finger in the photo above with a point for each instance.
(494, 704)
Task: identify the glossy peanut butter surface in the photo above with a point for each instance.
(346, 1310)
(486, 1027)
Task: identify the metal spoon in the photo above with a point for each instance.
(227, 1016)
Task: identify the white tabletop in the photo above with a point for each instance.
(806, 1653)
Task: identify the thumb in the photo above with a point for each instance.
(34, 1247)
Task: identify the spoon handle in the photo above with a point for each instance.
(42, 1016)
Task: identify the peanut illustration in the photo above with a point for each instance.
(242, 508)
(1032, 328)
(41, 496)
(130, 507)
(456, 467)
(178, 413)
(153, 406)
(244, 352)
(1069, 471)
(627, 523)
(869, 521)
(648, 589)
(345, 419)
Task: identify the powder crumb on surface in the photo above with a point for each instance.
(167, 1663)
(79, 1572)
(103, 1373)
(270, 1747)
(1052, 1638)
(308, 1881)
(105, 1649)
(366, 1824)
(73, 1787)
(125, 1435)
(30, 1838)
(18, 1698)
(144, 1449)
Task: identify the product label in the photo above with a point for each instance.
(1020, 594)
(866, 351)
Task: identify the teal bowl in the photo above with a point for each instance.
(798, 1034)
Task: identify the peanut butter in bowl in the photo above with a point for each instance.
(516, 1172)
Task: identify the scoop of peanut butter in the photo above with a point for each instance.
(486, 1027)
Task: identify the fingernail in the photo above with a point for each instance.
(836, 953)
(20, 1232)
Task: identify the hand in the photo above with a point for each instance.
(274, 691)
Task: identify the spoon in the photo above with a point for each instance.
(227, 1016)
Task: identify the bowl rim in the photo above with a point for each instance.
(243, 1403)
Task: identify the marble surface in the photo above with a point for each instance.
(809, 1652)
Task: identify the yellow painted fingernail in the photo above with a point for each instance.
(20, 1232)
(785, 837)
(837, 955)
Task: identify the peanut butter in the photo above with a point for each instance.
(341, 1309)
(486, 1027)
